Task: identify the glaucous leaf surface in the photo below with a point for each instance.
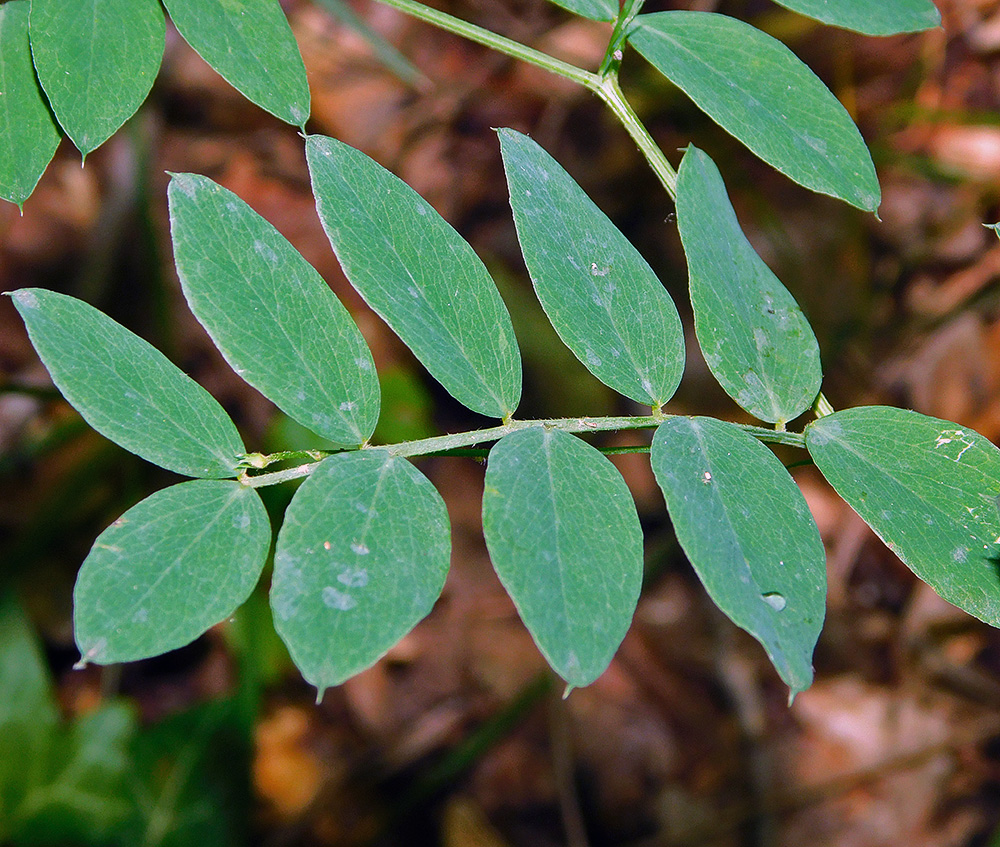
(596, 10)
(600, 295)
(419, 275)
(172, 566)
(128, 390)
(28, 135)
(270, 313)
(360, 560)
(869, 17)
(928, 488)
(564, 537)
(754, 337)
(97, 60)
(250, 44)
(747, 531)
(755, 88)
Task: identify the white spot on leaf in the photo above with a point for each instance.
(338, 600)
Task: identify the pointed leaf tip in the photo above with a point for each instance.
(251, 45)
(755, 338)
(133, 595)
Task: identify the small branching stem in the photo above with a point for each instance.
(459, 443)
(604, 83)
(500, 43)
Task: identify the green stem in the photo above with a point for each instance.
(822, 406)
(610, 92)
(459, 443)
(507, 46)
(603, 84)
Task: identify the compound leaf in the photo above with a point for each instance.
(748, 533)
(756, 89)
(600, 295)
(868, 17)
(173, 565)
(270, 313)
(360, 559)
(928, 488)
(251, 46)
(96, 60)
(419, 275)
(28, 134)
(564, 537)
(754, 337)
(128, 390)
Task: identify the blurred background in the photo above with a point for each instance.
(459, 737)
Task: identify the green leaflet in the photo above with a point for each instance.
(28, 135)
(748, 533)
(96, 60)
(172, 566)
(251, 46)
(419, 275)
(270, 313)
(596, 10)
(754, 337)
(600, 295)
(928, 488)
(361, 558)
(871, 18)
(756, 89)
(128, 390)
(564, 537)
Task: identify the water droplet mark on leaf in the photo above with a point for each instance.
(775, 600)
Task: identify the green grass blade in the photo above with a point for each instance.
(128, 390)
